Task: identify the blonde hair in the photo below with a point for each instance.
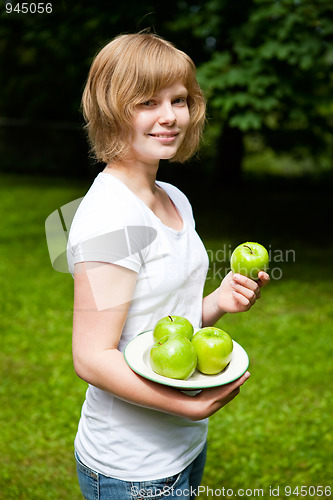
(130, 70)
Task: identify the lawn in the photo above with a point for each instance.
(276, 434)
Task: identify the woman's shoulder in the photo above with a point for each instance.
(106, 206)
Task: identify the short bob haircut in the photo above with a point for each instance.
(128, 71)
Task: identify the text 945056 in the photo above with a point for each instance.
(28, 8)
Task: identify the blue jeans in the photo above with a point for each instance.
(183, 486)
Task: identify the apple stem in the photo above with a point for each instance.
(247, 246)
(170, 318)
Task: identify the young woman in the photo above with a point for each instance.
(136, 257)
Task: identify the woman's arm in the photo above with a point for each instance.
(235, 294)
(102, 295)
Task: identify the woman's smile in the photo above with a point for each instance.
(165, 137)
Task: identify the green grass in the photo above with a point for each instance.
(277, 432)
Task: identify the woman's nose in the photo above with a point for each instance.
(167, 114)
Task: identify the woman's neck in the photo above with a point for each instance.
(140, 178)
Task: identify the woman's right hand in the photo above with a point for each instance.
(210, 400)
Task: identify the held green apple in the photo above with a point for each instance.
(173, 357)
(248, 259)
(175, 325)
(214, 349)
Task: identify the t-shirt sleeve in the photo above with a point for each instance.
(108, 232)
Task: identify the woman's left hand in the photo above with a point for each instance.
(238, 293)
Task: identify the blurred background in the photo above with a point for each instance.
(264, 173)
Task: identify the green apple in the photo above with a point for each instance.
(214, 349)
(248, 259)
(176, 325)
(173, 357)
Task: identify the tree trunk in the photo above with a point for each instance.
(230, 152)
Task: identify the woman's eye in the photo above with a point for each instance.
(148, 103)
(180, 100)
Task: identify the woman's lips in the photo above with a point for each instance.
(165, 137)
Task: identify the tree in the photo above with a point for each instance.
(265, 65)
(267, 69)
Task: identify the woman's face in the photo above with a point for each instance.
(160, 124)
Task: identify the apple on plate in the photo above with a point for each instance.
(175, 325)
(214, 349)
(173, 357)
(248, 259)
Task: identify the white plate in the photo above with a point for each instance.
(137, 357)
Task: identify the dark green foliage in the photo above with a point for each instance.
(268, 68)
(265, 65)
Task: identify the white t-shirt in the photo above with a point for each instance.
(112, 224)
